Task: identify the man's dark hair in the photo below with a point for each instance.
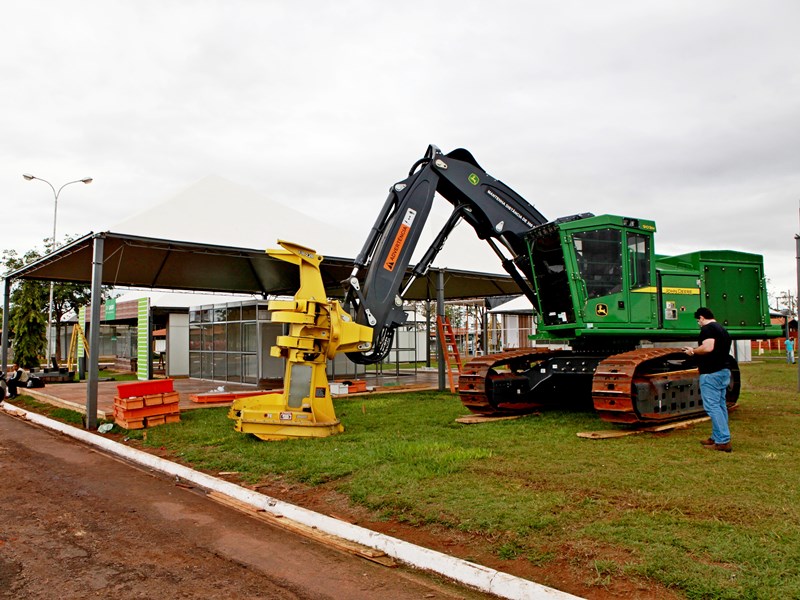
(703, 312)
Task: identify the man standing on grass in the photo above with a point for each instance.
(789, 351)
(714, 346)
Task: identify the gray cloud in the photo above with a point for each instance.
(682, 112)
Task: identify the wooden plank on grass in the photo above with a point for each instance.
(472, 419)
(604, 435)
(616, 433)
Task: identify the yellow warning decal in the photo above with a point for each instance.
(400, 240)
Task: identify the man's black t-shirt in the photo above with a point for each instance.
(717, 359)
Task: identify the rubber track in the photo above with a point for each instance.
(612, 385)
(472, 382)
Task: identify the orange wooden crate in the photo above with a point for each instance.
(129, 403)
(147, 411)
(129, 424)
(143, 388)
(153, 399)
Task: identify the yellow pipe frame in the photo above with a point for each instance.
(318, 329)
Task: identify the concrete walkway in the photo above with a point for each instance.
(73, 395)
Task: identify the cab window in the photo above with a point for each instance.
(599, 257)
(639, 260)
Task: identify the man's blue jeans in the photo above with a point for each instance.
(712, 388)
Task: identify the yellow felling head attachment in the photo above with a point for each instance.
(318, 330)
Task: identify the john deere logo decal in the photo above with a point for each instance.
(601, 310)
(474, 179)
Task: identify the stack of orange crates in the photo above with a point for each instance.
(146, 404)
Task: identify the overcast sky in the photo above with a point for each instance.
(684, 112)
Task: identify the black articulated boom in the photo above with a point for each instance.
(496, 213)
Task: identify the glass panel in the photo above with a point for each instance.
(263, 312)
(205, 315)
(208, 340)
(133, 338)
(249, 312)
(205, 365)
(234, 313)
(195, 365)
(194, 315)
(220, 314)
(599, 257)
(249, 368)
(639, 260)
(234, 337)
(234, 367)
(249, 337)
(552, 283)
(219, 336)
(195, 337)
(220, 363)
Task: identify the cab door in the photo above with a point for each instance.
(602, 293)
(642, 297)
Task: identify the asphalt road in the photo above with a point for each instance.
(76, 523)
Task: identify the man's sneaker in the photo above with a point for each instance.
(708, 442)
(721, 447)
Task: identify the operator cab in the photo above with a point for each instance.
(593, 273)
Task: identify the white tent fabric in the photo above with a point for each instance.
(519, 305)
(217, 211)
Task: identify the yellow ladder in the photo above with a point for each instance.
(72, 355)
(450, 351)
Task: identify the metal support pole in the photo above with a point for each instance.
(94, 334)
(6, 303)
(797, 296)
(439, 345)
(428, 333)
(485, 328)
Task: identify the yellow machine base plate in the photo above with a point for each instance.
(267, 418)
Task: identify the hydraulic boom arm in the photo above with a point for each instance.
(497, 213)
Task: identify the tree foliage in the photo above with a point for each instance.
(30, 306)
(27, 318)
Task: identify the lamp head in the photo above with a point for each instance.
(28, 176)
(87, 180)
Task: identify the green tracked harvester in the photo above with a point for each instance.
(611, 313)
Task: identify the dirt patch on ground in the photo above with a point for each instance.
(578, 569)
(571, 569)
(76, 523)
(574, 569)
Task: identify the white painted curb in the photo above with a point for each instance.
(471, 574)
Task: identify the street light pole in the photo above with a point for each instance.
(87, 180)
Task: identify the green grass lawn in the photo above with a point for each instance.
(651, 507)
